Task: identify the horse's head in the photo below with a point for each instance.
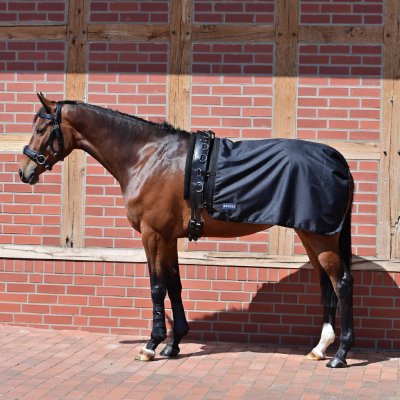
(46, 146)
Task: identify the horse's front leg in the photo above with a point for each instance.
(181, 327)
(157, 258)
(162, 256)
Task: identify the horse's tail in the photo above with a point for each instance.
(345, 234)
(329, 297)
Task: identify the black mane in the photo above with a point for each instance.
(164, 126)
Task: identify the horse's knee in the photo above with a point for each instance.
(329, 261)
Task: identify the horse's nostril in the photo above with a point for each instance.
(20, 173)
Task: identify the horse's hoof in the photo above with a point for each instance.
(336, 362)
(170, 351)
(312, 356)
(145, 355)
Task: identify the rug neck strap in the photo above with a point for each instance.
(201, 155)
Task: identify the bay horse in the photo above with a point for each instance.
(148, 161)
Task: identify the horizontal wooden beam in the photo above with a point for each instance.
(13, 142)
(222, 33)
(234, 259)
(357, 150)
(128, 32)
(340, 34)
(233, 33)
(50, 32)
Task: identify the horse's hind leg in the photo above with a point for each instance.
(327, 251)
(329, 301)
(344, 291)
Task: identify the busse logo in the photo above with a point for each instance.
(229, 206)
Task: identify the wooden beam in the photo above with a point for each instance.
(340, 34)
(388, 235)
(356, 150)
(233, 33)
(179, 83)
(129, 32)
(179, 80)
(72, 227)
(223, 33)
(284, 113)
(33, 32)
(13, 142)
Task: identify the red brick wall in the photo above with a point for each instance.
(130, 77)
(29, 214)
(339, 92)
(33, 11)
(359, 12)
(26, 68)
(265, 305)
(232, 89)
(149, 11)
(234, 11)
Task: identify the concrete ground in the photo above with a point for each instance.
(40, 364)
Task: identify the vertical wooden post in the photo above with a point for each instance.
(388, 235)
(285, 90)
(179, 82)
(74, 165)
(180, 63)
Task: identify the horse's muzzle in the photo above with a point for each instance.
(31, 179)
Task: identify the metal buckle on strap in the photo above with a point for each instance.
(39, 158)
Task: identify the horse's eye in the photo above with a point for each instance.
(41, 130)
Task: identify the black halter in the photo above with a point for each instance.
(55, 134)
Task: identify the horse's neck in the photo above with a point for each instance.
(118, 147)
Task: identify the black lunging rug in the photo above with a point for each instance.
(287, 182)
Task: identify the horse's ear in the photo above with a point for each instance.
(50, 106)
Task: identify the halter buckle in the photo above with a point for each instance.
(40, 159)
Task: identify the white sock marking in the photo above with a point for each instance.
(327, 338)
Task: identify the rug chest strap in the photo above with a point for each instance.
(202, 146)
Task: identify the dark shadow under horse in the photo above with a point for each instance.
(148, 160)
